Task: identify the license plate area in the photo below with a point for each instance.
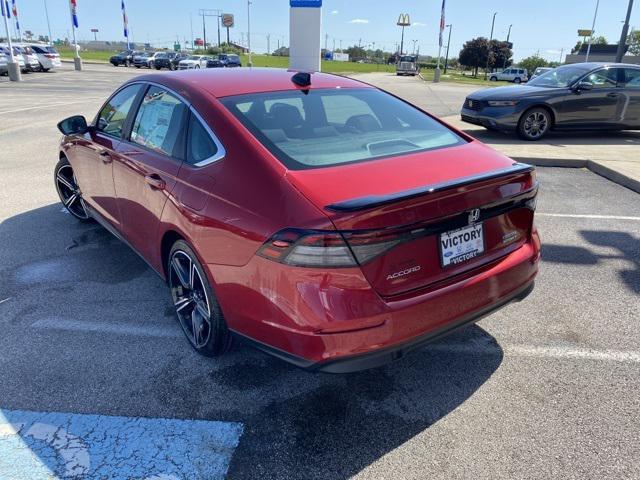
(461, 245)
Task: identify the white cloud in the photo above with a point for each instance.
(418, 24)
(359, 20)
(554, 52)
(334, 12)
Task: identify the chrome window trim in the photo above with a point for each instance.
(221, 152)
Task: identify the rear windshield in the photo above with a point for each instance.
(329, 127)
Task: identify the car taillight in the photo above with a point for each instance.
(315, 248)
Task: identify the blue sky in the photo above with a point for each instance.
(546, 26)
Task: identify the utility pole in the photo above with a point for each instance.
(489, 46)
(191, 19)
(623, 35)
(334, 44)
(250, 63)
(593, 26)
(209, 13)
(504, 63)
(204, 32)
(561, 52)
(46, 13)
(446, 58)
(326, 39)
(268, 43)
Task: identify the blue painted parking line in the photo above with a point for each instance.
(47, 445)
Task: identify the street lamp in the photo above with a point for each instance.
(595, 15)
(46, 13)
(446, 58)
(504, 64)
(623, 35)
(486, 68)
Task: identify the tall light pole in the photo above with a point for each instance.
(593, 26)
(249, 31)
(414, 46)
(504, 64)
(446, 58)
(623, 35)
(486, 68)
(46, 13)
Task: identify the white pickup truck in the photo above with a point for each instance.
(516, 75)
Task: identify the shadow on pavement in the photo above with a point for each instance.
(626, 244)
(615, 138)
(296, 424)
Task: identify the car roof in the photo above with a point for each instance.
(239, 81)
(592, 65)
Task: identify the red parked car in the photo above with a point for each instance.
(319, 218)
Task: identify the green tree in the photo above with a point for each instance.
(356, 53)
(600, 40)
(633, 40)
(474, 54)
(500, 54)
(533, 62)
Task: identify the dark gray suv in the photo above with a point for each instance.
(577, 96)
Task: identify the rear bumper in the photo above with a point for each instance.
(335, 322)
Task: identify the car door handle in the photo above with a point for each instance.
(612, 95)
(155, 182)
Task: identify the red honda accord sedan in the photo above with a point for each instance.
(320, 219)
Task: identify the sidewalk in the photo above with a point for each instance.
(613, 155)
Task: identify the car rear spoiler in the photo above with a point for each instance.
(371, 201)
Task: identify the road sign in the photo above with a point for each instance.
(95, 30)
(227, 20)
(305, 3)
(584, 33)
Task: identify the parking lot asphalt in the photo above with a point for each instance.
(546, 388)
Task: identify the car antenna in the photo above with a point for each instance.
(302, 79)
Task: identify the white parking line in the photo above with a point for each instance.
(86, 100)
(158, 331)
(562, 352)
(600, 217)
(470, 348)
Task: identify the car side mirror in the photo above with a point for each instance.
(73, 125)
(583, 85)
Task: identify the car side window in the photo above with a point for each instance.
(159, 122)
(200, 145)
(606, 78)
(632, 77)
(113, 115)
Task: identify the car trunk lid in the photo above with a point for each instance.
(409, 220)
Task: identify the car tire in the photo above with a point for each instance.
(197, 66)
(172, 67)
(517, 80)
(158, 67)
(493, 79)
(68, 190)
(197, 309)
(534, 124)
(152, 65)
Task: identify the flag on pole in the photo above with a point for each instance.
(74, 12)
(5, 8)
(442, 22)
(125, 21)
(15, 15)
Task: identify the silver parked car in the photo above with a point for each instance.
(17, 55)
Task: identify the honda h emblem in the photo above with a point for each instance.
(474, 215)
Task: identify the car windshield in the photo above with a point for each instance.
(559, 77)
(407, 59)
(328, 127)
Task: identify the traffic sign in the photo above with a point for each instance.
(584, 33)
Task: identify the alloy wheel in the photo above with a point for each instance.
(535, 124)
(70, 193)
(190, 298)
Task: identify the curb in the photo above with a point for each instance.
(90, 62)
(591, 165)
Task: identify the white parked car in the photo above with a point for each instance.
(516, 75)
(539, 71)
(193, 61)
(4, 64)
(47, 55)
(17, 55)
